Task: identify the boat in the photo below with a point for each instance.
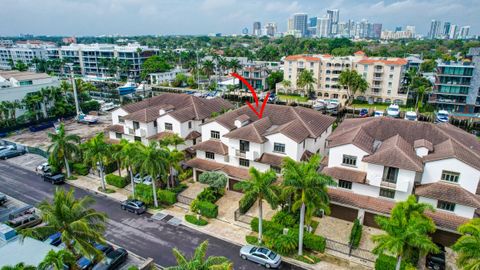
(319, 104)
(378, 114)
(127, 88)
(87, 119)
(332, 106)
(442, 117)
(393, 111)
(411, 115)
(107, 107)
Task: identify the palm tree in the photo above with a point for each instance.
(353, 81)
(173, 159)
(151, 161)
(19, 266)
(79, 224)
(65, 86)
(407, 230)
(63, 146)
(308, 187)
(234, 65)
(116, 151)
(467, 246)
(421, 91)
(260, 187)
(208, 68)
(172, 139)
(129, 150)
(198, 261)
(57, 260)
(96, 154)
(286, 84)
(306, 80)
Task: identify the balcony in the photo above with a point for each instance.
(239, 153)
(388, 184)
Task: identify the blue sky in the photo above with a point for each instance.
(130, 17)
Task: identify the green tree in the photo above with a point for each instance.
(96, 153)
(308, 188)
(19, 266)
(63, 146)
(20, 66)
(354, 82)
(208, 68)
(79, 224)
(128, 153)
(234, 65)
(274, 78)
(428, 66)
(407, 229)
(467, 246)
(151, 161)
(200, 261)
(260, 187)
(172, 139)
(154, 64)
(172, 159)
(306, 81)
(57, 260)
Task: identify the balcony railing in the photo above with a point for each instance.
(239, 153)
(388, 183)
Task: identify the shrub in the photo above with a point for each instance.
(314, 242)
(116, 181)
(185, 174)
(179, 188)
(283, 243)
(268, 227)
(356, 234)
(284, 218)
(166, 196)
(132, 267)
(213, 179)
(385, 262)
(144, 193)
(245, 204)
(206, 209)
(210, 194)
(80, 168)
(194, 220)
(252, 240)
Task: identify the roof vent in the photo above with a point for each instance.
(241, 121)
(166, 109)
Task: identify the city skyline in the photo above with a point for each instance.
(126, 17)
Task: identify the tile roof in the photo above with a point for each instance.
(447, 140)
(271, 159)
(214, 146)
(446, 220)
(207, 165)
(388, 61)
(160, 136)
(306, 155)
(423, 143)
(302, 57)
(296, 123)
(449, 192)
(346, 174)
(145, 115)
(193, 135)
(115, 128)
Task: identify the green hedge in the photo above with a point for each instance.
(314, 242)
(111, 167)
(179, 188)
(283, 243)
(193, 219)
(285, 218)
(245, 205)
(80, 168)
(166, 197)
(268, 227)
(116, 181)
(252, 240)
(210, 194)
(206, 209)
(144, 193)
(385, 262)
(356, 234)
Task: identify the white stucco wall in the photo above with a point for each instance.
(335, 156)
(468, 179)
(207, 128)
(116, 113)
(460, 210)
(292, 149)
(176, 125)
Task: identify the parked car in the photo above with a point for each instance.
(85, 263)
(411, 115)
(9, 153)
(147, 180)
(58, 178)
(43, 168)
(393, 111)
(261, 255)
(442, 116)
(112, 260)
(436, 261)
(3, 199)
(7, 146)
(137, 178)
(135, 206)
(54, 239)
(363, 113)
(378, 114)
(25, 221)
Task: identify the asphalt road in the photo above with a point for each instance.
(139, 234)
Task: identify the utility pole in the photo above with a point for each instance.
(77, 107)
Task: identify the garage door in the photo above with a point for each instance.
(197, 174)
(445, 238)
(231, 183)
(342, 212)
(369, 220)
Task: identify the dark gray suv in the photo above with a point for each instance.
(135, 206)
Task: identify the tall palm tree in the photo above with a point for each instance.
(198, 261)
(260, 187)
(117, 154)
(19, 266)
(57, 260)
(467, 246)
(65, 86)
(151, 161)
(63, 146)
(353, 81)
(308, 187)
(129, 150)
(234, 65)
(79, 224)
(421, 91)
(286, 84)
(208, 68)
(306, 81)
(172, 159)
(172, 139)
(407, 229)
(96, 154)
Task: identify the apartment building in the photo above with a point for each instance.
(25, 53)
(384, 76)
(237, 140)
(256, 75)
(379, 161)
(457, 85)
(163, 115)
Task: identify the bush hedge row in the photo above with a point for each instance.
(193, 219)
(116, 181)
(385, 262)
(210, 194)
(356, 234)
(80, 168)
(206, 209)
(245, 204)
(166, 197)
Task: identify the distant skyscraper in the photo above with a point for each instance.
(300, 23)
(411, 29)
(377, 30)
(245, 31)
(343, 29)
(464, 31)
(257, 29)
(398, 29)
(312, 22)
(453, 33)
(290, 25)
(333, 15)
(434, 29)
(323, 26)
(446, 30)
(270, 29)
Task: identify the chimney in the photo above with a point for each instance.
(241, 121)
(422, 147)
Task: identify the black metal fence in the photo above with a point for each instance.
(346, 249)
(244, 218)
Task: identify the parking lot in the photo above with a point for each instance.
(10, 207)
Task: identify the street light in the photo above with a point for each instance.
(74, 88)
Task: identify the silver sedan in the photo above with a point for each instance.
(261, 255)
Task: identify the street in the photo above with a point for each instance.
(140, 234)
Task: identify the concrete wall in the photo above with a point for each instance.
(468, 179)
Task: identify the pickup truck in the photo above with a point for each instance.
(54, 179)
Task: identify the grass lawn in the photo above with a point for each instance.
(296, 98)
(380, 107)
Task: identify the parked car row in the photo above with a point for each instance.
(10, 151)
(139, 179)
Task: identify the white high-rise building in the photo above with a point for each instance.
(300, 23)
(323, 26)
(333, 15)
(411, 29)
(435, 29)
(464, 31)
(257, 29)
(270, 29)
(453, 34)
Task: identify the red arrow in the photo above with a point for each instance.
(258, 113)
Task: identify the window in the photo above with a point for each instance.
(190, 124)
(120, 119)
(391, 76)
(214, 134)
(155, 123)
(390, 174)
(392, 68)
(244, 146)
(349, 160)
(168, 126)
(345, 184)
(138, 139)
(209, 155)
(446, 206)
(450, 176)
(118, 135)
(244, 162)
(279, 147)
(276, 169)
(387, 193)
(136, 125)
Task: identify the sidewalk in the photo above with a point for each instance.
(92, 183)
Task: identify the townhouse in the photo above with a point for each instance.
(379, 161)
(384, 76)
(237, 140)
(160, 116)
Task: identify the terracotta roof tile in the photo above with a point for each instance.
(423, 143)
(388, 61)
(214, 146)
(160, 136)
(115, 128)
(449, 192)
(302, 57)
(193, 135)
(271, 159)
(207, 165)
(340, 173)
(446, 220)
(306, 155)
(378, 205)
